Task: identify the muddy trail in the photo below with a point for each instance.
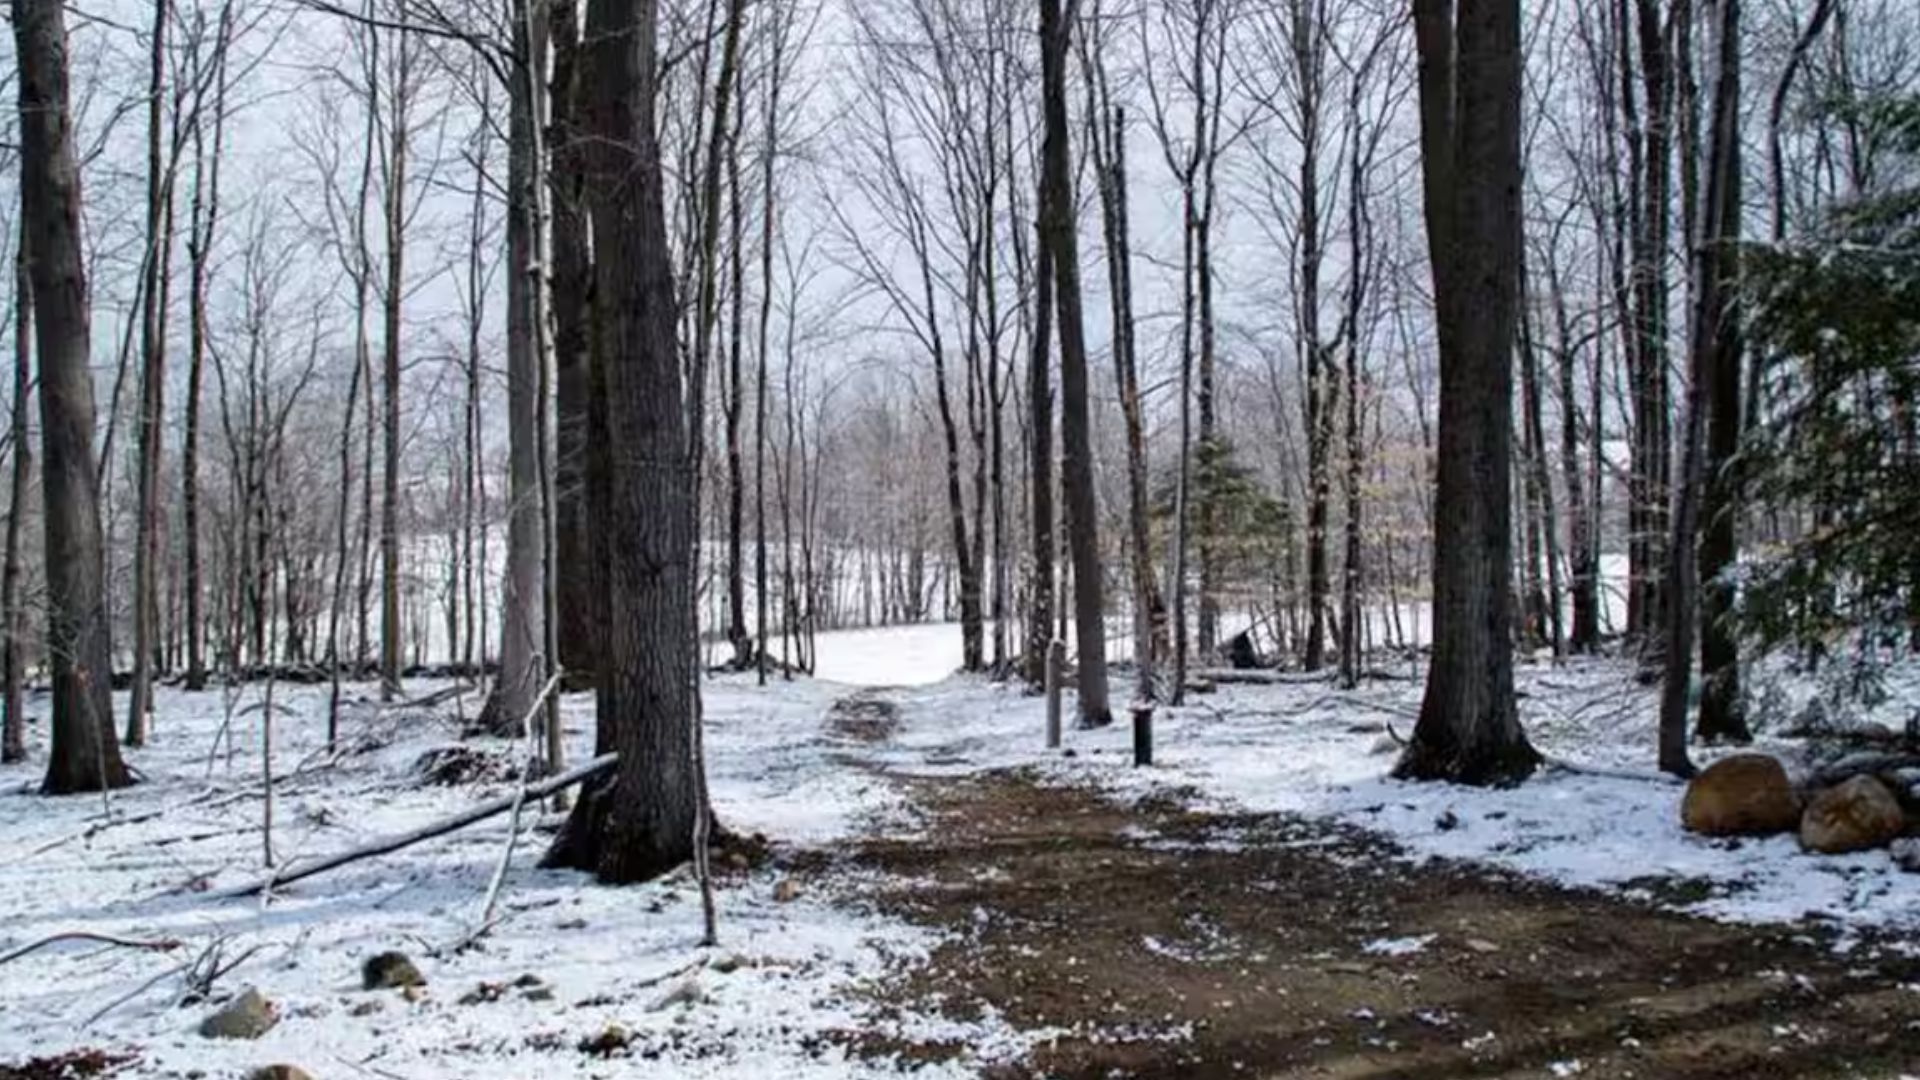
(1160, 941)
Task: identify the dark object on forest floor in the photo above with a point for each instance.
(390, 971)
(72, 1065)
(864, 718)
(450, 766)
(1240, 653)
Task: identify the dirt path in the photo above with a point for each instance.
(1172, 943)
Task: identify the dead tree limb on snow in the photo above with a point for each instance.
(156, 945)
(381, 846)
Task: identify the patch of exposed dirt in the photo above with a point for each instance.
(865, 717)
(73, 1065)
(1175, 943)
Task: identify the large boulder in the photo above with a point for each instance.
(1741, 795)
(1853, 816)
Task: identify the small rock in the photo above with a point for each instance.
(1447, 821)
(280, 1072)
(1906, 854)
(485, 992)
(367, 1008)
(389, 971)
(1741, 795)
(414, 994)
(538, 993)
(612, 1039)
(787, 891)
(247, 1016)
(689, 992)
(1482, 945)
(528, 981)
(727, 963)
(1853, 816)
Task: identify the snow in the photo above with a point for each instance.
(795, 971)
(1308, 748)
(787, 975)
(1401, 946)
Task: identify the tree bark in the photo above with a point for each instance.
(390, 628)
(1713, 435)
(641, 824)
(575, 564)
(13, 727)
(153, 368)
(1040, 585)
(522, 598)
(203, 218)
(1058, 225)
(1469, 84)
(84, 756)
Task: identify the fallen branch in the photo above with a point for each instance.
(1614, 774)
(295, 872)
(513, 824)
(428, 701)
(156, 945)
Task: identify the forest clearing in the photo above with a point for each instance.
(917, 883)
(965, 538)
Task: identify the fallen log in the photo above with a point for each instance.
(383, 845)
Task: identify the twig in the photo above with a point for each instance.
(513, 825)
(157, 944)
(131, 994)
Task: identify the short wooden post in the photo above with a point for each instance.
(1056, 662)
(1142, 733)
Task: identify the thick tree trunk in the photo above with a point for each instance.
(575, 565)
(1469, 83)
(1059, 235)
(85, 756)
(642, 823)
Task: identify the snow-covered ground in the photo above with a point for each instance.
(152, 862)
(153, 866)
(1308, 748)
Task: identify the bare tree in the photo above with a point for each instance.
(84, 755)
(1713, 399)
(13, 726)
(1059, 232)
(1469, 730)
(642, 823)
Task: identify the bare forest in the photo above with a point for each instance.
(844, 537)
